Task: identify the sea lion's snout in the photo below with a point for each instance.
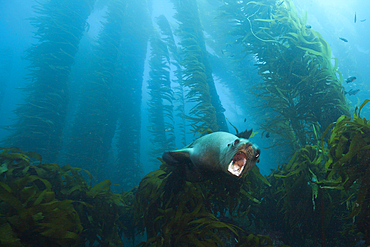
(245, 157)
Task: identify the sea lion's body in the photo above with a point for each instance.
(218, 151)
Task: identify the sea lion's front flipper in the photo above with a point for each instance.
(178, 157)
(180, 162)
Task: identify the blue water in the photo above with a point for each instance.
(333, 19)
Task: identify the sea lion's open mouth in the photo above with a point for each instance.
(237, 164)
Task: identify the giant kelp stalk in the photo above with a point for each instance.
(300, 84)
(96, 118)
(169, 40)
(59, 27)
(206, 111)
(228, 66)
(160, 107)
(130, 74)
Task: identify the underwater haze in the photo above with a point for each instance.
(104, 87)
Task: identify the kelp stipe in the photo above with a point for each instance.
(196, 70)
(97, 115)
(160, 107)
(40, 120)
(168, 39)
(130, 70)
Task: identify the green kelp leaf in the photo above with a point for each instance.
(34, 155)
(102, 187)
(253, 134)
(314, 52)
(57, 233)
(341, 145)
(202, 131)
(6, 196)
(15, 156)
(336, 62)
(365, 147)
(20, 183)
(50, 166)
(236, 130)
(291, 36)
(249, 196)
(8, 237)
(6, 187)
(365, 184)
(257, 173)
(338, 81)
(40, 198)
(304, 17)
(75, 173)
(264, 20)
(257, 3)
(3, 168)
(362, 105)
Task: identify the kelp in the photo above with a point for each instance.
(300, 177)
(130, 70)
(59, 27)
(186, 216)
(257, 241)
(300, 86)
(348, 165)
(332, 181)
(206, 110)
(160, 107)
(44, 204)
(179, 96)
(98, 111)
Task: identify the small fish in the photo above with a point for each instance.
(343, 39)
(307, 26)
(267, 135)
(350, 79)
(280, 3)
(352, 92)
(355, 17)
(363, 20)
(253, 134)
(245, 120)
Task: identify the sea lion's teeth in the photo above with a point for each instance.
(236, 166)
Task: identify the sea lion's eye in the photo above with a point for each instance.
(257, 153)
(236, 142)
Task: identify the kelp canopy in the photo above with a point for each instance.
(333, 181)
(300, 84)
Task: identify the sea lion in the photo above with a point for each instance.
(218, 151)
